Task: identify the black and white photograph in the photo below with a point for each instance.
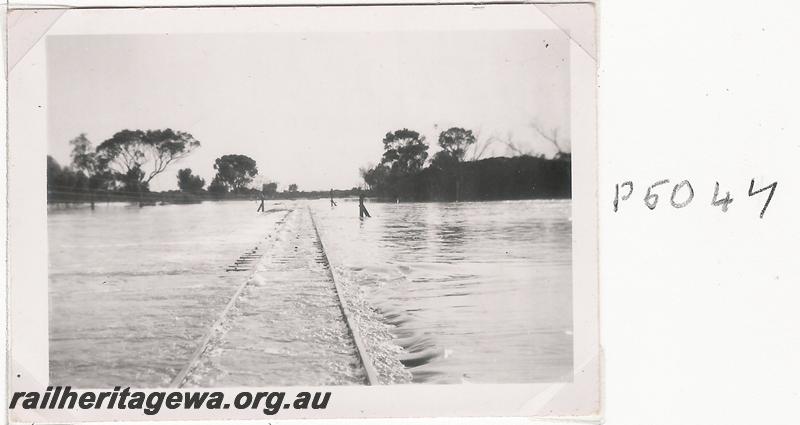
(315, 206)
(497, 212)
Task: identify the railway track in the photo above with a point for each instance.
(369, 368)
(287, 323)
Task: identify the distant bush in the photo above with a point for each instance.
(521, 177)
(188, 182)
(401, 173)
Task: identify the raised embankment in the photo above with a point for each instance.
(287, 324)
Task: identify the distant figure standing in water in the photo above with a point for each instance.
(261, 207)
(362, 210)
(333, 203)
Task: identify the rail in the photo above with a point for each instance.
(371, 374)
(180, 378)
(369, 368)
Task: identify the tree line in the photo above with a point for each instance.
(122, 167)
(402, 173)
(127, 161)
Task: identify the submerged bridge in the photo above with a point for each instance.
(287, 323)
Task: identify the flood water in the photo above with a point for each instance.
(444, 292)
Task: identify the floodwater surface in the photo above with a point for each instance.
(441, 293)
(474, 291)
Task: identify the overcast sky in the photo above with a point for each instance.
(310, 108)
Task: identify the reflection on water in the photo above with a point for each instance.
(133, 289)
(475, 292)
(471, 292)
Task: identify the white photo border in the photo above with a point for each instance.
(27, 211)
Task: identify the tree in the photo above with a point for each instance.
(269, 189)
(376, 178)
(235, 172)
(443, 160)
(81, 181)
(217, 186)
(405, 151)
(60, 178)
(92, 171)
(455, 141)
(561, 153)
(138, 156)
(102, 179)
(133, 180)
(84, 157)
(63, 182)
(53, 171)
(188, 182)
(292, 187)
